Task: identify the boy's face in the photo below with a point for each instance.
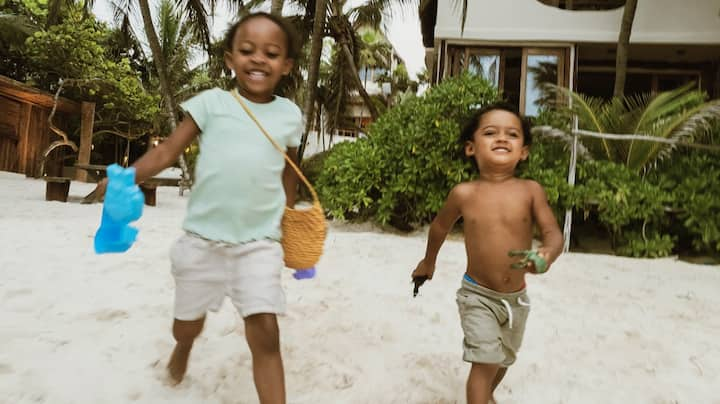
(259, 58)
(498, 140)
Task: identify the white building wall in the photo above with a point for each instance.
(656, 21)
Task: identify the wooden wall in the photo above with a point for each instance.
(24, 132)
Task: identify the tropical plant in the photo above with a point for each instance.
(341, 21)
(402, 172)
(681, 114)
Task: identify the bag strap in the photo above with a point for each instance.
(235, 94)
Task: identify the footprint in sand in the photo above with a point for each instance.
(110, 315)
(5, 369)
(17, 292)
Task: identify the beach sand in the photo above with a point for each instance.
(83, 328)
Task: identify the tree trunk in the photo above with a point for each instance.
(316, 43)
(341, 37)
(158, 60)
(276, 7)
(166, 92)
(356, 78)
(623, 47)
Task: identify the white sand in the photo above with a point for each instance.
(82, 328)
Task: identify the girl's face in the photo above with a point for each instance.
(259, 58)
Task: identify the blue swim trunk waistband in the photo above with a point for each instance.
(469, 279)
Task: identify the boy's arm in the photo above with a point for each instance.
(439, 229)
(290, 178)
(550, 234)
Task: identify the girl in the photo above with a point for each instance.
(231, 246)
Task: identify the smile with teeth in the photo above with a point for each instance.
(501, 149)
(257, 75)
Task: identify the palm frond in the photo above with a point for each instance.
(659, 117)
(367, 15)
(686, 127)
(197, 18)
(591, 113)
(15, 28)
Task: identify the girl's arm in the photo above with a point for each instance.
(167, 152)
(290, 178)
(161, 156)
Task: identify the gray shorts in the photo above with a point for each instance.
(493, 323)
(206, 271)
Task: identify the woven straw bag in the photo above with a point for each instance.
(303, 230)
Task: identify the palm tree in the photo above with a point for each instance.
(623, 46)
(343, 29)
(340, 22)
(316, 43)
(197, 20)
(682, 114)
(376, 52)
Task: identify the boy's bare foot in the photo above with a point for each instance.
(178, 363)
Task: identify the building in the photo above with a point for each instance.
(24, 131)
(517, 44)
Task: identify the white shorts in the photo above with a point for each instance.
(206, 271)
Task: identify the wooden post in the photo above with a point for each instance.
(87, 116)
(57, 189)
(567, 226)
(149, 191)
(24, 134)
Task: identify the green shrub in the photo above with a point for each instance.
(402, 173)
(312, 167)
(624, 201)
(694, 180)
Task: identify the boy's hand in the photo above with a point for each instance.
(424, 269)
(533, 261)
(422, 273)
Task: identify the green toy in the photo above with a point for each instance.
(529, 255)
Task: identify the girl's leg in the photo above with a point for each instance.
(185, 333)
(479, 384)
(263, 337)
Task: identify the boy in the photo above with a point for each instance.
(499, 211)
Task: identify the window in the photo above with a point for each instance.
(485, 64)
(541, 67)
(521, 74)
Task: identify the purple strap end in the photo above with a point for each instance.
(304, 273)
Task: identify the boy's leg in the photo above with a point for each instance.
(263, 337)
(480, 382)
(185, 333)
(498, 378)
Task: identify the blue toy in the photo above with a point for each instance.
(304, 273)
(123, 204)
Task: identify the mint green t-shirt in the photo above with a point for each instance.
(238, 194)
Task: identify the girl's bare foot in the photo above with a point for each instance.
(178, 363)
